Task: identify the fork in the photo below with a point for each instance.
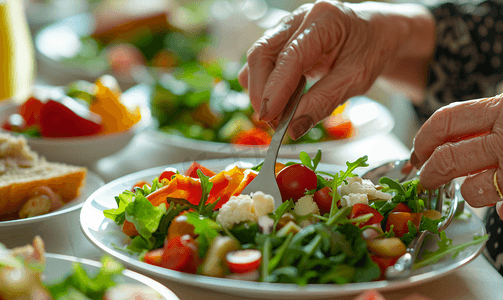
(265, 181)
(404, 265)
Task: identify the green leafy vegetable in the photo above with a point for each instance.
(206, 228)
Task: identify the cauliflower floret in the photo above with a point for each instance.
(353, 198)
(306, 205)
(244, 208)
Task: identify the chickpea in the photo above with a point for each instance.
(285, 219)
(36, 206)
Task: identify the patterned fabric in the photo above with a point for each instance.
(467, 64)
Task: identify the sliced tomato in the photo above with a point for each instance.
(399, 221)
(323, 199)
(243, 261)
(129, 229)
(360, 209)
(180, 254)
(154, 257)
(295, 180)
(383, 262)
(167, 174)
(402, 207)
(192, 170)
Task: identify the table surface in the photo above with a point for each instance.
(477, 280)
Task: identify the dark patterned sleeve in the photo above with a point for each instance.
(467, 63)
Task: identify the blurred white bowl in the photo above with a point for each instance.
(84, 151)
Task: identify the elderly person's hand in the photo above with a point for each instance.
(464, 139)
(345, 46)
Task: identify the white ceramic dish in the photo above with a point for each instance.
(85, 151)
(104, 233)
(59, 266)
(368, 118)
(93, 182)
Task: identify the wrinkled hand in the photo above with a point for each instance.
(346, 47)
(464, 139)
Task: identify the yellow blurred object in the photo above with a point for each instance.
(115, 115)
(339, 109)
(17, 60)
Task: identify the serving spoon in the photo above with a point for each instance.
(265, 181)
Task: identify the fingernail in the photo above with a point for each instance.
(263, 108)
(301, 125)
(413, 158)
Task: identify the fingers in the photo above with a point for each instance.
(243, 76)
(499, 209)
(454, 122)
(479, 189)
(452, 160)
(262, 56)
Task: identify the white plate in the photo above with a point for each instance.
(368, 118)
(85, 151)
(104, 233)
(59, 266)
(92, 183)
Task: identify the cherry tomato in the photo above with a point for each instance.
(154, 257)
(360, 209)
(192, 170)
(295, 180)
(323, 199)
(399, 221)
(402, 207)
(243, 261)
(167, 174)
(383, 262)
(180, 254)
(338, 127)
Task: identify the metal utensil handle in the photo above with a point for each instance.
(291, 106)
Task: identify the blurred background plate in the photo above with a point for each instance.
(367, 116)
(59, 266)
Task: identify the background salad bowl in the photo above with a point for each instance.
(108, 237)
(82, 150)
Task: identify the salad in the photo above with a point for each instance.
(21, 277)
(331, 228)
(85, 109)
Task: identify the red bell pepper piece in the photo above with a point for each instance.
(255, 136)
(30, 111)
(192, 170)
(66, 117)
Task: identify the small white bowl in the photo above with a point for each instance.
(83, 151)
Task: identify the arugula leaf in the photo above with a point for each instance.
(306, 159)
(393, 184)
(445, 247)
(275, 260)
(409, 236)
(430, 224)
(280, 211)
(145, 216)
(206, 186)
(206, 228)
(258, 167)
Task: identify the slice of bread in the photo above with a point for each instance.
(22, 170)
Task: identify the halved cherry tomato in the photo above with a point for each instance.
(360, 209)
(399, 221)
(295, 180)
(338, 127)
(242, 261)
(383, 262)
(180, 254)
(402, 207)
(154, 257)
(167, 174)
(323, 199)
(192, 170)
